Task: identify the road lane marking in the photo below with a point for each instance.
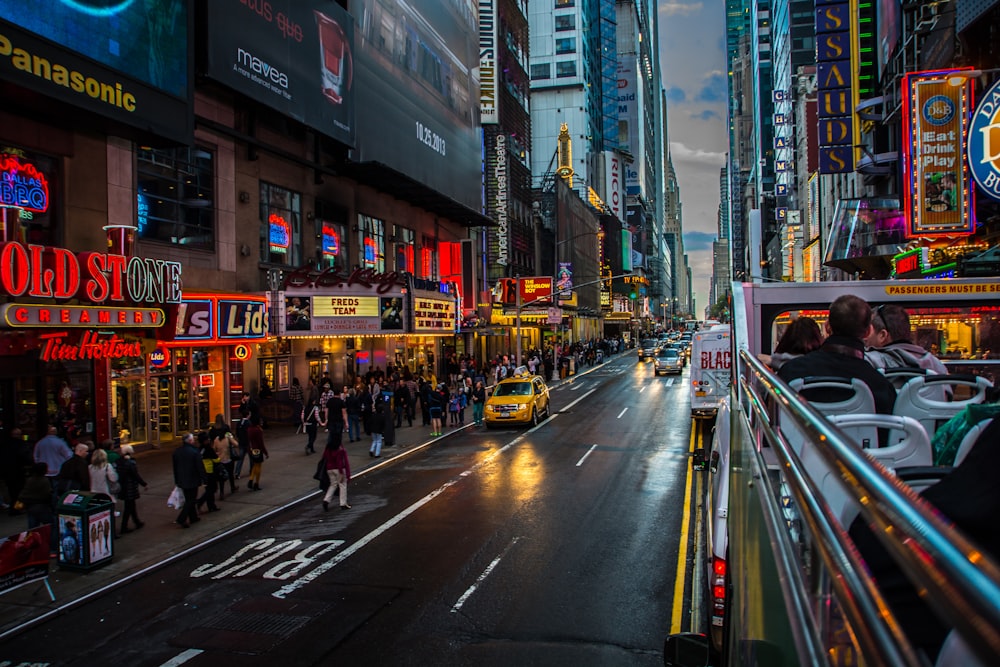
(341, 556)
(642, 389)
(670, 382)
(681, 581)
(482, 577)
(182, 657)
(579, 399)
(584, 457)
(577, 386)
(621, 413)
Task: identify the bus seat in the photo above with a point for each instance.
(970, 439)
(912, 449)
(856, 399)
(956, 653)
(900, 376)
(913, 400)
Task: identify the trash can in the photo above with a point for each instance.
(86, 524)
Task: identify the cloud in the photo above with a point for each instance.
(675, 8)
(695, 241)
(714, 87)
(676, 95)
(682, 153)
(707, 114)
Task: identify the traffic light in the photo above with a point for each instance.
(632, 294)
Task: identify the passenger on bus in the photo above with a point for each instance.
(969, 497)
(891, 343)
(801, 336)
(842, 354)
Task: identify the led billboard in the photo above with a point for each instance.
(128, 61)
(417, 92)
(293, 56)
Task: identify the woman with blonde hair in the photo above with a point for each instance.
(103, 476)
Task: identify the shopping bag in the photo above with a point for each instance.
(176, 499)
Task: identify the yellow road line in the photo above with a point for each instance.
(681, 580)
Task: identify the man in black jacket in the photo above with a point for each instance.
(842, 354)
(188, 470)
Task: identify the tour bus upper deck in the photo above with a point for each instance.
(957, 320)
(796, 589)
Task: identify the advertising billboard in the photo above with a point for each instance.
(890, 24)
(296, 57)
(128, 61)
(936, 122)
(628, 122)
(983, 146)
(489, 91)
(417, 97)
(614, 183)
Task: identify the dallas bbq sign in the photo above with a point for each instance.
(119, 287)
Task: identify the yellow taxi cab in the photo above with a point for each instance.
(522, 398)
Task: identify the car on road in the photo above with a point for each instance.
(647, 348)
(667, 360)
(520, 399)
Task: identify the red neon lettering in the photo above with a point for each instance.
(96, 288)
(21, 315)
(41, 277)
(84, 317)
(14, 269)
(137, 317)
(115, 265)
(67, 273)
(44, 315)
(64, 316)
(122, 317)
(103, 317)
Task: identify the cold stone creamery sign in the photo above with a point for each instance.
(112, 282)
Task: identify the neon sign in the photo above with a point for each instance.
(91, 346)
(332, 277)
(44, 272)
(279, 234)
(22, 184)
(331, 241)
(371, 252)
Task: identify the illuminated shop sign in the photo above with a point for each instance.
(936, 124)
(433, 316)
(221, 318)
(306, 277)
(56, 273)
(279, 234)
(160, 357)
(90, 346)
(500, 200)
(346, 306)
(22, 184)
(983, 145)
(372, 252)
(836, 87)
(35, 315)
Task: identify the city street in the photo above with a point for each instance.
(557, 546)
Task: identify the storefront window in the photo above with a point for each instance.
(371, 231)
(129, 420)
(175, 196)
(332, 244)
(69, 400)
(281, 225)
(405, 242)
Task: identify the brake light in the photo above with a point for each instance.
(718, 586)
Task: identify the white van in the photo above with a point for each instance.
(711, 369)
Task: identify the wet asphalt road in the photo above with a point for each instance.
(551, 546)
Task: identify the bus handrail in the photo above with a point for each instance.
(962, 583)
(860, 600)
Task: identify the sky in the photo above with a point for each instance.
(693, 65)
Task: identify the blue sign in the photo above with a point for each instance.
(984, 155)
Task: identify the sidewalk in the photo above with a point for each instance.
(287, 477)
